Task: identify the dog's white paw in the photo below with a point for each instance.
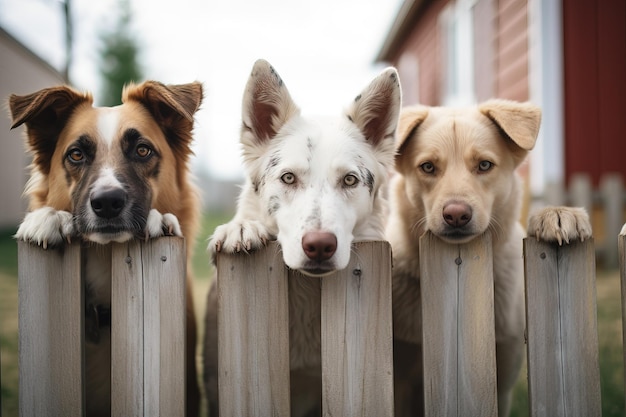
(236, 236)
(46, 226)
(159, 225)
(560, 224)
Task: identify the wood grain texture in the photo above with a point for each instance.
(621, 243)
(357, 346)
(253, 334)
(50, 331)
(563, 372)
(458, 327)
(148, 328)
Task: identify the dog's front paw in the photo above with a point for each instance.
(560, 224)
(159, 225)
(46, 226)
(236, 236)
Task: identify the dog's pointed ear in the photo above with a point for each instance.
(410, 119)
(169, 104)
(375, 111)
(519, 121)
(45, 114)
(267, 104)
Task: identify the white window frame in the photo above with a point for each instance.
(457, 25)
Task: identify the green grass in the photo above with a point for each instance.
(609, 325)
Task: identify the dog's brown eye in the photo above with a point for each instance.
(143, 151)
(288, 178)
(428, 167)
(75, 155)
(485, 166)
(350, 180)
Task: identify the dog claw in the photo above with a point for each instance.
(44, 244)
(218, 246)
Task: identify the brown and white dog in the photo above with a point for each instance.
(108, 175)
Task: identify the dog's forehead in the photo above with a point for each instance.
(319, 139)
(107, 125)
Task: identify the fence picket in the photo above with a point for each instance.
(621, 242)
(50, 312)
(148, 335)
(357, 335)
(458, 327)
(253, 334)
(563, 372)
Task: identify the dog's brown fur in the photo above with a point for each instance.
(56, 119)
(457, 178)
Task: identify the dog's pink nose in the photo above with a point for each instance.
(457, 214)
(319, 246)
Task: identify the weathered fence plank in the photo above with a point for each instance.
(621, 242)
(253, 334)
(357, 357)
(458, 327)
(563, 372)
(148, 335)
(50, 314)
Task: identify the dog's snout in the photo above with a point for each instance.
(108, 204)
(319, 246)
(457, 214)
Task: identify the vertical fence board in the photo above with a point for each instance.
(357, 365)
(50, 311)
(148, 334)
(253, 334)
(621, 241)
(563, 372)
(127, 331)
(164, 326)
(458, 327)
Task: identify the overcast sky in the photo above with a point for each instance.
(323, 49)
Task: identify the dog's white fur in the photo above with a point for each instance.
(307, 177)
(457, 178)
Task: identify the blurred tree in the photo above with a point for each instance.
(119, 58)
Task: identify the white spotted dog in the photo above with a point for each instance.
(314, 185)
(105, 175)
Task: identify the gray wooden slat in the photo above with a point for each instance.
(458, 327)
(164, 326)
(50, 310)
(621, 243)
(253, 333)
(563, 371)
(127, 330)
(357, 357)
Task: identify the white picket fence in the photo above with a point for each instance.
(356, 328)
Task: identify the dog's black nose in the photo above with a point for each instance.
(457, 214)
(108, 204)
(319, 246)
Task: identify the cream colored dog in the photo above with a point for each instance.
(457, 178)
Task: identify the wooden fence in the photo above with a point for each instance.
(356, 328)
(148, 329)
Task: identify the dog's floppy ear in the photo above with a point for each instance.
(375, 111)
(519, 121)
(410, 119)
(171, 105)
(45, 114)
(267, 104)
